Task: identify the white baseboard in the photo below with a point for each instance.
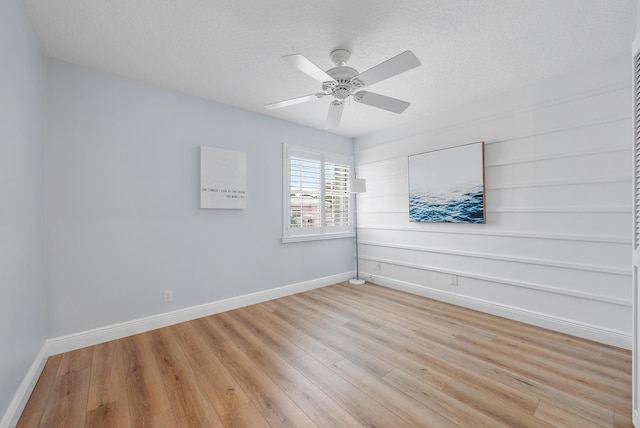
(16, 407)
(575, 328)
(58, 345)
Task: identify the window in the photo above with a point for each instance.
(316, 202)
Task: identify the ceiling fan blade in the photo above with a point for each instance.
(294, 101)
(391, 67)
(381, 101)
(335, 114)
(303, 64)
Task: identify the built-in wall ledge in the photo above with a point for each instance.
(499, 280)
(510, 234)
(531, 261)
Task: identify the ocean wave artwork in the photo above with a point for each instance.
(456, 206)
(447, 185)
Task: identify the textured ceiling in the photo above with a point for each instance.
(229, 50)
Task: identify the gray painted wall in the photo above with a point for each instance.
(22, 274)
(122, 173)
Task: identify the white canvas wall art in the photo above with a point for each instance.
(223, 178)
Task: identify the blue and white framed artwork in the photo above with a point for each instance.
(447, 185)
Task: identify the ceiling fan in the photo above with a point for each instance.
(342, 81)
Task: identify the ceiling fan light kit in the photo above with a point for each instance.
(342, 81)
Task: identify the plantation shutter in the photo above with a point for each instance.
(336, 177)
(305, 192)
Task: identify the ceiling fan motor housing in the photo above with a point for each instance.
(342, 86)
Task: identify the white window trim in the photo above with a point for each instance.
(322, 232)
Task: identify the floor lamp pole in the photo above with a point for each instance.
(357, 186)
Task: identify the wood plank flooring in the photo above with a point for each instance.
(339, 356)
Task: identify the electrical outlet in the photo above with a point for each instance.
(168, 296)
(453, 279)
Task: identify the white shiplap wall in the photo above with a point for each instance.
(556, 248)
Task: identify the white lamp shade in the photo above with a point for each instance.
(357, 185)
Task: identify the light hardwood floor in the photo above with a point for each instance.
(338, 356)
